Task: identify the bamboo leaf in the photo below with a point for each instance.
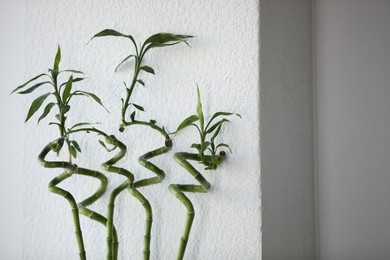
(216, 125)
(186, 122)
(147, 69)
(67, 89)
(82, 124)
(138, 107)
(111, 32)
(76, 145)
(199, 110)
(36, 104)
(165, 39)
(72, 71)
(24, 84)
(125, 59)
(57, 59)
(217, 132)
(73, 151)
(224, 145)
(141, 82)
(31, 89)
(73, 81)
(197, 147)
(222, 114)
(46, 111)
(93, 96)
(132, 116)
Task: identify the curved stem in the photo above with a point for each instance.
(112, 246)
(178, 189)
(69, 169)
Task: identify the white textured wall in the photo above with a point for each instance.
(286, 130)
(353, 82)
(223, 60)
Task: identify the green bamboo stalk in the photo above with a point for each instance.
(178, 189)
(55, 146)
(112, 249)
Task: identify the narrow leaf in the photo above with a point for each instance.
(67, 89)
(141, 82)
(31, 89)
(138, 107)
(57, 59)
(73, 71)
(200, 111)
(147, 69)
(73, 151)
(216, 125)
(132, 116)
(186, 122)
(222, 114)
(224, 145)
(24, 84)
(111, 32)
(36, 104)
(76, 145)
(46, 111)
(125, 59)
(93, 96)
(83, 123)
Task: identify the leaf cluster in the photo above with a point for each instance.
(208, 134)
(60, 94)
(155, 41)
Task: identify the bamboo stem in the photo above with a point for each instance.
(56, 146)
(178, 189)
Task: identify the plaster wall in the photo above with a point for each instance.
(223, 60)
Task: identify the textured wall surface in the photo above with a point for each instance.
(286, 130)
(223, 60)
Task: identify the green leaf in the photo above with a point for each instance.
(224, 145)
(138, 107)
(82, 124)
(216, 125)
(67, 89)
(125, 59)
(72, 71)
(111, 32)
(200, 111)
(197, 147)
(46, 111)
(93, 96)
(31, 89)
(147, 69)
(186, 122)
(36, 104)
(222, 114)
(164, 39)
(76, 145)
(73, 151)
(74, 81)
(103, 144)
(57, 59)
(141, 82)
(132, 116)
(217, 131)
(24, 84)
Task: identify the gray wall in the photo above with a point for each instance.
(286, 129)
(353, 96)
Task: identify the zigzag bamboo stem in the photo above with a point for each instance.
(178, 189)
(82, 206)
(112, 249)
(56, 146)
